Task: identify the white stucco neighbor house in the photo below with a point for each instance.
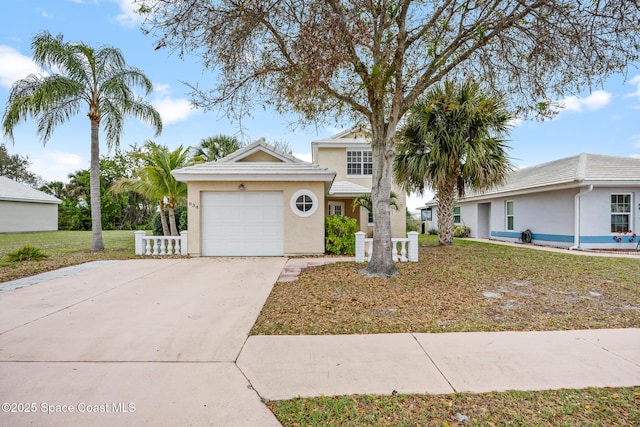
(260, 201)
(588, 201)
(23, 208)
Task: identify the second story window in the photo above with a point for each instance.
(359, 163)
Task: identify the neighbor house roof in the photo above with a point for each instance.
(14, 191)
(233, 167)
(576, 171)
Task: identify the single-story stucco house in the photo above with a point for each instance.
(588, 201)
(23, 208)
(260, 201)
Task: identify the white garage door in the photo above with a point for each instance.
(242, 224)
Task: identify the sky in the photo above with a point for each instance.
(605, 120)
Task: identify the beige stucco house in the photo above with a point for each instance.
(24, 209)
(260, 201)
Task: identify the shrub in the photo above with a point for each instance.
(433, 231)
(461, 231)
(26, 253)
(340, 237)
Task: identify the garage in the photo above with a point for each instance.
(242, 224)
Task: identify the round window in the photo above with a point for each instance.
(304, 203)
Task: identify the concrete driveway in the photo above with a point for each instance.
(137, 342)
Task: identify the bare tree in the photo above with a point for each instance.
(370, 60)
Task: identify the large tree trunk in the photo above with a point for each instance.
(94, 185)
(381, 263)
(446, 205)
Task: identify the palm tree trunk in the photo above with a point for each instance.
(163, 219)
(446, 205)
(172, 218)
(94, 186)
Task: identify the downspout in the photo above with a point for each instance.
(576, 208)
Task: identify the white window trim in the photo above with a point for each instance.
(506, 215)
(294, 207)
(629, 214)
(361, 162)
(333, 204)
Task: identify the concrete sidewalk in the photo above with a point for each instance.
(283, 367)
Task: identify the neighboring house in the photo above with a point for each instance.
(23, 208)
(260, 201)
(589, 201)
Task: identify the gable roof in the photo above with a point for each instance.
(575, 171)
(260, 145)
(14, 191)
(353, 137)
(284, 167)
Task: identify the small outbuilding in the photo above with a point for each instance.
(23, 208)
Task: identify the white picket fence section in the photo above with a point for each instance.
(160, 245)
(408, 247)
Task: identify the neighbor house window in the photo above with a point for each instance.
(359, 163)
(510, 215)
(456, 215)
(620, 212)
(370, 218)
(426, 214)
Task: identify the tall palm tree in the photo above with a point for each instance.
(216, 147)
(452, 141)
(80, 76)
(156, 181)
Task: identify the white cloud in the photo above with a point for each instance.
(53, 165)
(635, 140)
(173, 110)
(127, 16)
(307, 157)
(595, 101)
(15, 66)
(636, 82)
(43, 12)
(514, 123)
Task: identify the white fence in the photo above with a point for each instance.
(408, 247)
(161, 245)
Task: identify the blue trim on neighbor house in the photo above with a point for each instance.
(564, 237)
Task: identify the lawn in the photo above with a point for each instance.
(470, 286)
(64, 248)
(589, 407)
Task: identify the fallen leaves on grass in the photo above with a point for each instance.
(466, 287)
(619, 407)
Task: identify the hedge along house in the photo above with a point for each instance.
(24, 209)
(588, 201)
(257, 201)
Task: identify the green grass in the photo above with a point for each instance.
(64, 248)
(588, 407)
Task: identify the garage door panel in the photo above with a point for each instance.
(242, 224)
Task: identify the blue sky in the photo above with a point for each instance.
(605, 121)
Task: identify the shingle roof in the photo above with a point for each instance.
(582, 169)
(11, 190)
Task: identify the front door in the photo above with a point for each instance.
(336, 208)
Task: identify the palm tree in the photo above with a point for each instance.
(84, 77)
(156, 181)
(216, 147)
(364, 201)
(452, 141)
